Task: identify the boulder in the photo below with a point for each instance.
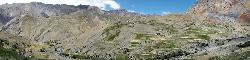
(244, 18)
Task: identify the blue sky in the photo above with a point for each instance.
(156, 6)
(139, 6)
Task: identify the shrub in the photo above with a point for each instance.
(11, 54)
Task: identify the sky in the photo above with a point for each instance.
(156, 6)
(161, 7)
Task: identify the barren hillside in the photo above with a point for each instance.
(211, 29)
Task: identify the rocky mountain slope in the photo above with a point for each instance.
(44, 31)
(225, 10)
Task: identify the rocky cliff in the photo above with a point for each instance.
(225, 10)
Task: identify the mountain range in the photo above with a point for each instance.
(209, 30)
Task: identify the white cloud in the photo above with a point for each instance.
(102, 4)
(166, 13)
(131, 11)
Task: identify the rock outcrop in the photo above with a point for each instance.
(223, 10)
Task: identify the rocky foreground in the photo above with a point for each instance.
(207, 31)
